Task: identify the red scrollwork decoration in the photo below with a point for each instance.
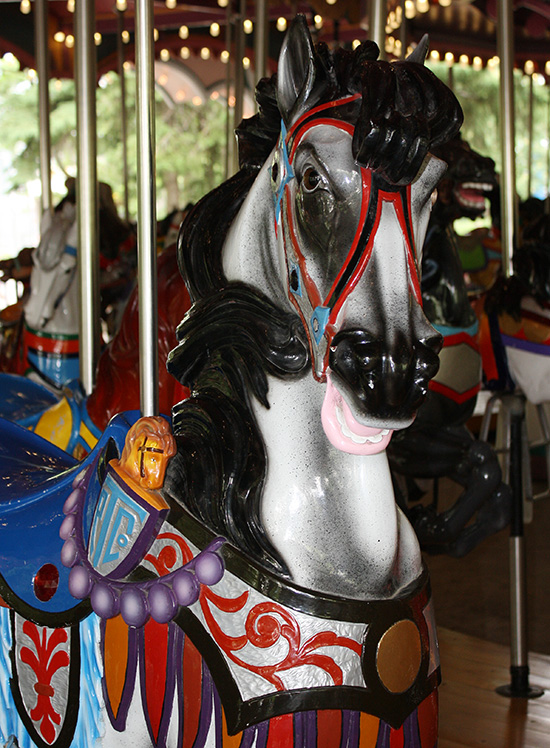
(167, 557)
(45, 662)
(265, 624)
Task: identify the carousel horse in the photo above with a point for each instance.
(518, 314)
(49, 339)
(438, 444)
(74, 422)
(267, 591)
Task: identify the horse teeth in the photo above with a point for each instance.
(356, 438)
(481, 186)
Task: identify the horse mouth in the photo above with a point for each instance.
(344, 431)
(471, 195)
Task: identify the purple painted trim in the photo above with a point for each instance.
(262, 731)
(411, 731)
(542, 349)
(383, 740)
(248, 737)
(299, 730)
(119, 723)
(350, 729)
(206, 707)
(311, 729)
(305, 730)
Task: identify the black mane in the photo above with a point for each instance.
(233, 335)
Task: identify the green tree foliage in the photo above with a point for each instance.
(478, 93)
(190, 139)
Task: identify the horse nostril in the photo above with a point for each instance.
(433, 342)
(354, 349)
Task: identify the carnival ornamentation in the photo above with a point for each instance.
(304, 349)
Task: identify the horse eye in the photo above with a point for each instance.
(311, 179)
(274, 171)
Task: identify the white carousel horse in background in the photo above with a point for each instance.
(52, 310)
(51, 313)
(272, 591)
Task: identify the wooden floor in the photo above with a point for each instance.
(472, 715)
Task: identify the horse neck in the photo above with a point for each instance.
(331, 515)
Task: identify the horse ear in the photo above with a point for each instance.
(420, 52)
(295, 71)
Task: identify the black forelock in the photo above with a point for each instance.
(405, 111)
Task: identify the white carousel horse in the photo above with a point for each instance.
(305, 347)
(52, 310)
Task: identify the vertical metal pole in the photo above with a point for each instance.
(519, 669)
(260, 39)
(123, 114)
(403, 31)
(42, 64)
(530, 141)
(147, 254)
(239, 70)
(229, 144)
(377, 26)
(505, 46)
(86, 185)
(547, 201)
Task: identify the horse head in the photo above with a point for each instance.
(54, 268)
(352, 185)
(469, 181)
(307, 260)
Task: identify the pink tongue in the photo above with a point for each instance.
(332, 403)
(352, 424)
(472, 195)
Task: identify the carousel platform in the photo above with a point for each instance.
(471, 599)
(472, 714)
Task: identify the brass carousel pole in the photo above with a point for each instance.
(87, 197)
(530, 141)
(505, 45)
(260, 39)
(547, 201)
(42, 64)
(147, 254)
(229, 144)
(377, 26)
(123, 115)
(239, 72)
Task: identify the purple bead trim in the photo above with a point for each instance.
(159, 598)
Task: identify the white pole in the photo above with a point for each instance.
(505, 45)
(147, 245)
(87, 198)
(43, 68)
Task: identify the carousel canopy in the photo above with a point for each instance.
(197, 30)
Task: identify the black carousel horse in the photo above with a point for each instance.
(439, 444)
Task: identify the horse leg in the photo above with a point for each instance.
(454, 453)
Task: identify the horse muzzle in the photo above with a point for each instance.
(384, 383)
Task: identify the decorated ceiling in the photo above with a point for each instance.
(197, 30)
